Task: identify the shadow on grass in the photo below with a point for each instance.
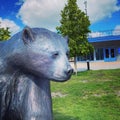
(60, 116)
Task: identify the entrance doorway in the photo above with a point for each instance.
(109, 54)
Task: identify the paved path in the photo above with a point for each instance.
(97, 65)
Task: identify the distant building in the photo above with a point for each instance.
(106, 46)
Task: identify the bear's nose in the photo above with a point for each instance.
(69, 71)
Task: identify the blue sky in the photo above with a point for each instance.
(108, 23)
(103, 14)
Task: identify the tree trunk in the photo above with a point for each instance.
(75, 65)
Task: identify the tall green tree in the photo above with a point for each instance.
(75, 24)
(4, 34)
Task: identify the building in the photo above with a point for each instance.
(106, 46)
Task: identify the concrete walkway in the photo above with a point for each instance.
(97, 65)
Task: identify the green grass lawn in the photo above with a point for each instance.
(92, 95)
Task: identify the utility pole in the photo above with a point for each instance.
(88, 62)
(85, 2)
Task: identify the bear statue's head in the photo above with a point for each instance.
(45, 54)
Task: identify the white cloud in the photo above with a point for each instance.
(116, 30)
(117, 27)
(9, 23)
(41, 13)
(20, 2)
(46, 13)
(99, 9)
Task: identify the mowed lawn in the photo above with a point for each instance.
(92, 95)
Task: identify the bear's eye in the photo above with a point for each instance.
(67, 54)
(55, 54)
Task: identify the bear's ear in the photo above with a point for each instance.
(67, 39)
(28, 35)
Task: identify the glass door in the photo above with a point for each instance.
(109, 54)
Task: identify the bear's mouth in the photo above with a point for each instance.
(61, 78)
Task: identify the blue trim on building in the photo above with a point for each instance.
(118, 50)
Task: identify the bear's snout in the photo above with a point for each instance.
(69, 71)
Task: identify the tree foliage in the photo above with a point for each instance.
(75, 24)
(4, 34)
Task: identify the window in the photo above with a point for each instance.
(112, 53)
(107, 53)
(84, 58)
(99, 54)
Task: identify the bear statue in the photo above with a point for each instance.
(28, 61)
